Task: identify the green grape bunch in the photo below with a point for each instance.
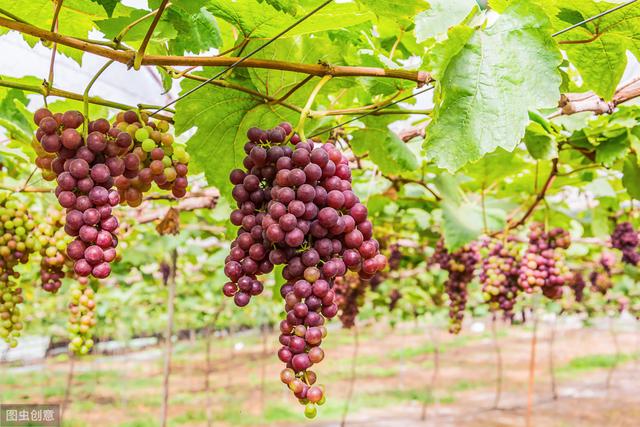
(82, 317)
(54, 261)
(17, 242)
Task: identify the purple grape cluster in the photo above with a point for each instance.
(152, 157)
(577, 285)
(350, 292)
(625, 238)
(460, 265)
(543, 265)
(85, 171)
(601, 276)
(53, 240)
(295, 206)
(499, 276)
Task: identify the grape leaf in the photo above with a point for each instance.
(222, 118)
(269, 21)
(442, 15)
(288, 6)
(108, 5)
(601, 59)
(488, 87)
(540, 144)
(399, 10)
(196, 32)
(612, 149)
(441, 54)
(631, 176)
(464, 223)
(385, 148)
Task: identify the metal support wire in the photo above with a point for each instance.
(593, 18)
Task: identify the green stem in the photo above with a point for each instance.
(75, 96)
(85, 96)
(117, 39)
(140, 53)
(307, 108)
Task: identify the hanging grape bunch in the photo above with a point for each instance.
(600, 277)
(53, 243)
(577, 284)
(82, 317)
(17, 242)
(542, 265)
(153, 157)
(499, 276)
(295, 206)
(86, 169)
(350, 292)
(625, 238)
(460, 265)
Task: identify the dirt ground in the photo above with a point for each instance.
(399, 378)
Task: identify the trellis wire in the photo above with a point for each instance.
(593, 18)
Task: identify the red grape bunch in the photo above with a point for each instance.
(153, 157)
(85, 173)
(460, 265)
(17, 242)
(625, 238)
(600, 277)
(53, 241)
(350, 292)
(542, 265)
(295, 206)
(577, 284)
(499, 276)
(82, 317)
(86, 169)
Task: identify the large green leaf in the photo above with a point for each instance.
(108, 5)
(222, 118)
(598, 49)
(441, 54)
(464, 223)
(256, 19)
(397, 9)
(440, 16)
(488, 88)
(631, 177)
(289, 6)
(540, 144)
(385, 148)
